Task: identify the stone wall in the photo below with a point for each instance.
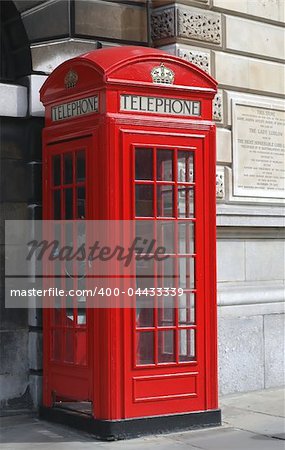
(241, 44)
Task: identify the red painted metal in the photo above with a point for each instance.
(110, 375)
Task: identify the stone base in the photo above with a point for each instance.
(110, 430)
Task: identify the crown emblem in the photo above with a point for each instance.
(70, 79)
(162, 75)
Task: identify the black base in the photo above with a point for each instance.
(110, 430)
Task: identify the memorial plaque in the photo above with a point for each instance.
(258, 151)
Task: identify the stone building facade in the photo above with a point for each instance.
(241, 44)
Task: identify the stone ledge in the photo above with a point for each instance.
(47, 56)
(250, 294)
(13, 100)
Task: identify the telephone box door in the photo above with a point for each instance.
(168, 346)
(67, 204)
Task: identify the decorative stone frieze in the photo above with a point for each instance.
(220, 183)
(181, 21)
(218, 107)
(200, 59)
(193, 23)
(163, 24)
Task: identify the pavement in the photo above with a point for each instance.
(251, 421)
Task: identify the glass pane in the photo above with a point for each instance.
(187, 309)
(56, 344)
(165, 201)
(56, 170)
(166, 273)
(68, 203)
(57, 205)
(144, 201)
(144, 163)
(69, 317)
(185, 166)
(186, 238)
(164, 165)
(80, 348)
(81, 303)
(144, 314)
(166, 346)
(186, 273)
(165, 235)
(187, 345)
(81, 202)
(185, 201)
(165, 311)
(68, 175)
(69, 346)
(144, 274)
(145, 234)
(145, 347)
(80, 166)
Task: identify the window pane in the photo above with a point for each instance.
(68, 203)
(165, 201)
(186, 238)
(81, 316)
(165, 235)
(166, 346)
(187, 345)
(186, 273)
(145, 234)
(144, 313)
(145, 347)
(69, 317)
(166, 273)
(185, 202)
(68, 176)
(144, 163)
(144, 201)
(56, 170)
(187, 308)
(165, 311)
(144, 274)
(81, 202)
(80, 166)
(185, 166)
(164, 165)
(57, 205)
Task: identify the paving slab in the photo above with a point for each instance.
(252, 421)
(269, 401)
(229, 439)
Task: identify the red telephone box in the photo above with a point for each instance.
(129, 135)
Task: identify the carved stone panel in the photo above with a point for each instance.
(200, 59)
(186, 22)
(193, 23)
(163, 24)
(220, 183)
(218, 107)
